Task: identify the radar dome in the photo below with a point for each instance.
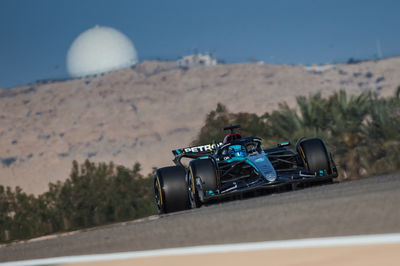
(99, 50)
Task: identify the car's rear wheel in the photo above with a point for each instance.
(202, 178)
(170, 189)
(314, 155)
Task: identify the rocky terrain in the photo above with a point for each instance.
(141, 114)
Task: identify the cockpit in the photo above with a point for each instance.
(237, 151)
(246, 147)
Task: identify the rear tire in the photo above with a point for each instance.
(170, 189)
(202, 177)
(315, 155)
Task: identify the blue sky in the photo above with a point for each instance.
(36, 35)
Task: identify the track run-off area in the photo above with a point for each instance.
(364, 207)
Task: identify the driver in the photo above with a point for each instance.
(236, 151)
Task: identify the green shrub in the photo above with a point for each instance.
(95, 194)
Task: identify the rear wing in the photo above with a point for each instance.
(203, 149)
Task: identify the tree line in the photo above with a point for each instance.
(94, 194)
(362, 131)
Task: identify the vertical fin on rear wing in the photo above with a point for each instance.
(177, 152)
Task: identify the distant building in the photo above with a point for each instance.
(196, 60)
(318, 69)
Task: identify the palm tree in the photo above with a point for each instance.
(382, 135)
(347, 114)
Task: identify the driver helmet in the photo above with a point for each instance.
(232, 137)
(237, 150)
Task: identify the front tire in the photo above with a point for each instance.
(170, 189)
(202, 177)
(314, 155)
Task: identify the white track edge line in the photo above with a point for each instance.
(360, 240)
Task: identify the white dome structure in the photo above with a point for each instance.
(99, 50)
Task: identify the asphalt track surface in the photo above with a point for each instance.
(368, 206)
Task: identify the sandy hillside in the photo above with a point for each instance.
(141, 114)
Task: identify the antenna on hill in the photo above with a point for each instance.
(379, 48)
(212, 53)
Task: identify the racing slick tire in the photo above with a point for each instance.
(315, 155)
(202, 177)
(170, 189)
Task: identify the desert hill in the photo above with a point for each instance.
(141, 114)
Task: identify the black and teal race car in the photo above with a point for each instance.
(237, 167)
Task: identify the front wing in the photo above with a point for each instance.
(281, 181)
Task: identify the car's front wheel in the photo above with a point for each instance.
(314, 155)
(202, 178)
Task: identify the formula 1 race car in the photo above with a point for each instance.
(239, 166)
